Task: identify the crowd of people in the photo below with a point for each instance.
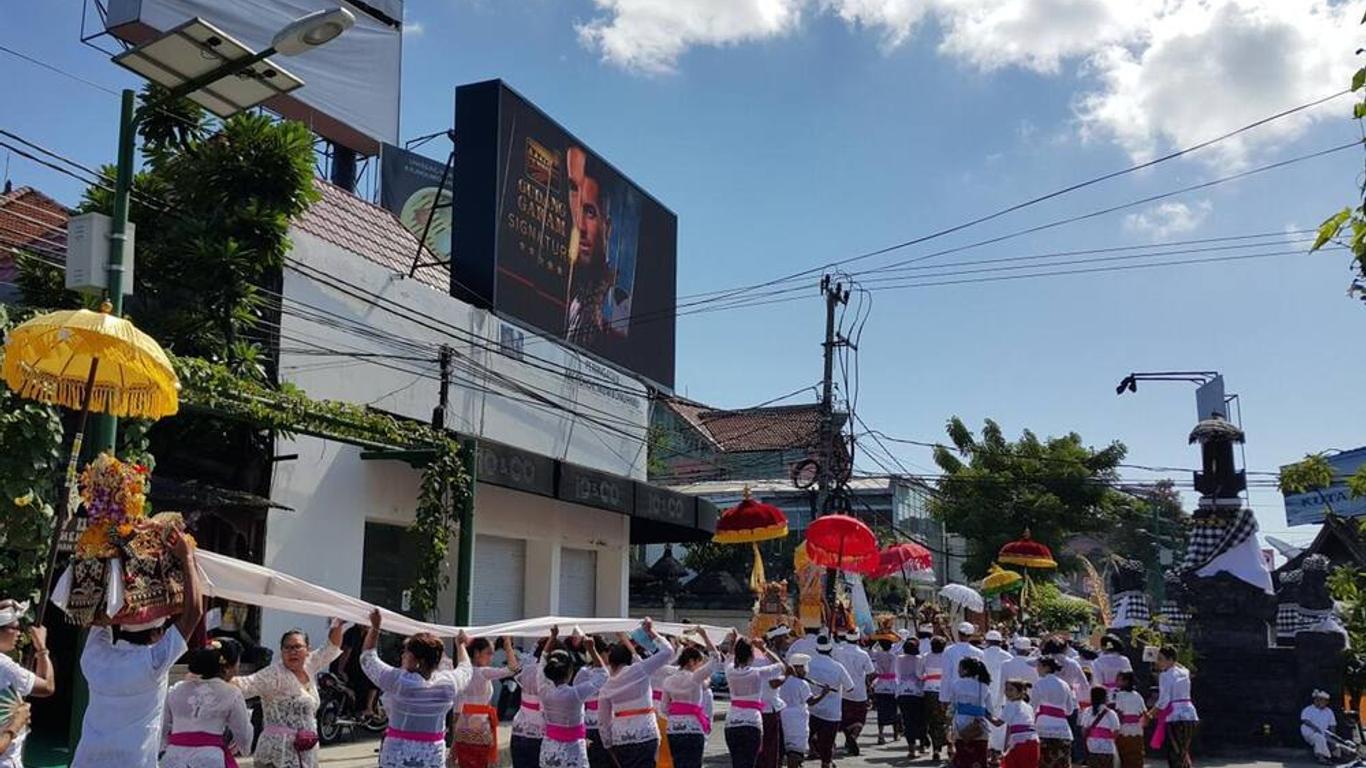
(633, 701)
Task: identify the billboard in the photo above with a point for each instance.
(1309, 508)
(351, 85)
(551, 235)
(410, 187)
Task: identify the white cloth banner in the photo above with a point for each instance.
(243, 582)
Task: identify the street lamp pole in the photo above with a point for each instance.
(298, 36)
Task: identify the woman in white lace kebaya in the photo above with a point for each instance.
(626, 709)
(418, 695)
(203, 706)
(289, 700)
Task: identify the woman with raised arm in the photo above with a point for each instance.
(418, 695)
(289, 699)
(685, 696)
(746, 678)
(476, 720)
(562, 704)
(626, 706)
(528, 725)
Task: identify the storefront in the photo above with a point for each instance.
(560, 495)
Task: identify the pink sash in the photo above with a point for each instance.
(1160, 732)
(201, 739)
(394, 733)
(566, 734)
(591, 704)
(887, 676)
(1020, 728)
(753, 704)
(685, 708)
(1104, 734)
(531, 706)
(1048, 710)
(1131, 719)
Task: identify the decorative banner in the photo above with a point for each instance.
(410, 188)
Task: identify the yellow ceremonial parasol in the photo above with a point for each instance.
(87, 361)
(55, 358)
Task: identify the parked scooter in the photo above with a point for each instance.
(340, 713)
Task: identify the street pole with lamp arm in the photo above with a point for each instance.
(300, 35)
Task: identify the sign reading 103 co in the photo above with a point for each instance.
(1309, 507)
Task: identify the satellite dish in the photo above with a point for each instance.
(1288, 551)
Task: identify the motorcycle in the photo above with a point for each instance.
(340, 713)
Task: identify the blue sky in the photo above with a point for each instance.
(788, 133)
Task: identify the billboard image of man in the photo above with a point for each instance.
(589, 276)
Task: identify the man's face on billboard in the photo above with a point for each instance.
(590, 221)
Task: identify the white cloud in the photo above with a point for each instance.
(1163, 220)
(1206, 68)
(650, 35)
(1151, 74)
(413, 28)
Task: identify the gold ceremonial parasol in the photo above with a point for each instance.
(55, 358)
(87, 361)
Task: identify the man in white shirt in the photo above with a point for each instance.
(854, 703)
(1020, 666)
(1317, 722)
(995, 656)
(954, 655)
(127, 667)
(826, 673)
(805, 644)
(19, 681)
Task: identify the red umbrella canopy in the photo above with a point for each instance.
(1027, 552)
(902, 557)
(750, 521)
(841, 541)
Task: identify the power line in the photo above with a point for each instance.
(1036, 200)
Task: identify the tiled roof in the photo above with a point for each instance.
(772, 428)
(30, 219)
(367, 230)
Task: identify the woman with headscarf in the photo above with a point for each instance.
(289, 699)
(685, 699)
(972, 708)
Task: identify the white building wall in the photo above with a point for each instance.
(334, 493)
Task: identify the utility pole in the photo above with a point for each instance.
(835, 295)
(469, 456)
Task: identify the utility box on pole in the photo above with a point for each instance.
(87, 254)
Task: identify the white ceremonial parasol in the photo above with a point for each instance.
(963, 597)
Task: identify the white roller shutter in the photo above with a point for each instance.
(499, 579)
(578, 582)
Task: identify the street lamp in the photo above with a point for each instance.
(196, 60)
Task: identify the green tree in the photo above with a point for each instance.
(994, 488)
(212, 207)
(1347, 227)
(1053, 611)
(30, 461)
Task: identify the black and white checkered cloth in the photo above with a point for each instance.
(1287, 620)
(1130, 609)
(1173, 617)
(1210, 539)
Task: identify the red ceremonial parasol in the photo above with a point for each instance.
(1028, 553)
(751, 522)
(903, 558)
(843, 542)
